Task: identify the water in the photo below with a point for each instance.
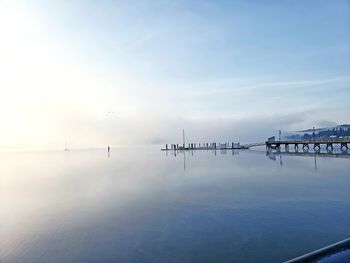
(141, 205)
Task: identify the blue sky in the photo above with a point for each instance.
(140, 71)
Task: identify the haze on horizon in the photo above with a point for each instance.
(136, 72)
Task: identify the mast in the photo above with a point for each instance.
(183, 137)
(65, 146)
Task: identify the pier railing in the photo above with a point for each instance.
(206, 146)
(312, 141)
(329, 143)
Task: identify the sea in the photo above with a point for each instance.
(141, 204)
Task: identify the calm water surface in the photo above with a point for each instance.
(141, 205)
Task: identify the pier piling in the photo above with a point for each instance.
(329, 143)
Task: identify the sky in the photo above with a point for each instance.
(97, 73)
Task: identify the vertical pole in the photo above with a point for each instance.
(279, 135)
(315, 163)
(183, 137)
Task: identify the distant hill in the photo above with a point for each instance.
(311, 130)
(339, 131)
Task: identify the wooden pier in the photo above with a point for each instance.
(205, 146)
(305, 144)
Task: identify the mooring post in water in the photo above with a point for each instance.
(232, 145)
(166, 146)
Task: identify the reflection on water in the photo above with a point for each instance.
(273, 155)
(144, 205)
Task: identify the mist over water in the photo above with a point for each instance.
(144, 205)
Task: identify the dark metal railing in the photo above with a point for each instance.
(323, 252)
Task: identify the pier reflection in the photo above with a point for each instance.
(343, 154)
(274, 155)
(190, 153)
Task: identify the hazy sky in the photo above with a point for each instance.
(131, 72)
